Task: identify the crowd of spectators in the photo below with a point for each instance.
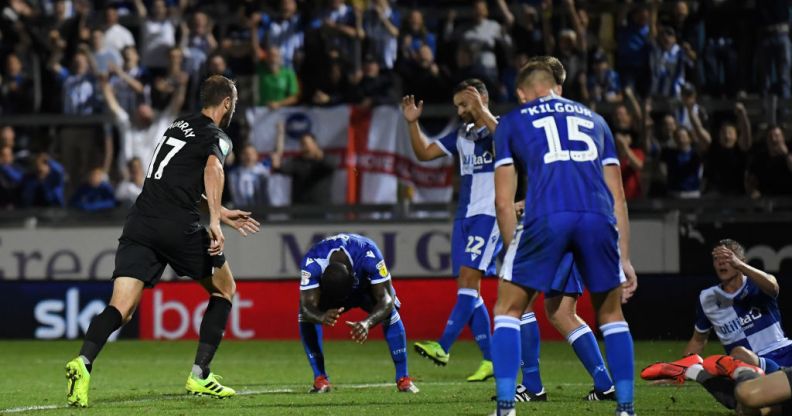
(649, 65)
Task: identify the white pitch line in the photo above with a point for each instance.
(252, 393)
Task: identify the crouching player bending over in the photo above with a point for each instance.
(339, 273)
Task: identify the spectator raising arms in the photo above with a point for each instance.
(141, 131)
(310, 171)
(483, 35)
(632, 59)
(381, 28)
(727, 160)
(129, 82)
(158, 34)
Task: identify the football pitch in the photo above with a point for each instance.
(273, 377)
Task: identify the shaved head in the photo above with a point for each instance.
(557, 68)
(536, 79)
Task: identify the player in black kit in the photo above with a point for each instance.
(163, 228)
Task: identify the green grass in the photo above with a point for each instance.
(135, 378)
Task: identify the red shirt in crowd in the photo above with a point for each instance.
(631, 178)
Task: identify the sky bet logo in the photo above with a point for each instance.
(64, 318)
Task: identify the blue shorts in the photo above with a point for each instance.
(475, 243)
(567, 279)
(782, 356)
(536, 254)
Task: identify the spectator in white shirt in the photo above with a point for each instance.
(158, 34)
(116, 36)
(141, 131)
(248, 181)
(482, 36)
(128, 190)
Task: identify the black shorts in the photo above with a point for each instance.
(148, 244)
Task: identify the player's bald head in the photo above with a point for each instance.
(535, 80)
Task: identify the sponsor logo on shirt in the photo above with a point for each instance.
(742, 322)
(383, 271)
(477, 161)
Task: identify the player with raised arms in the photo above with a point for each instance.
(163, 228)
(574, 205)
(561, 307)
(339, 273)
(475, 239)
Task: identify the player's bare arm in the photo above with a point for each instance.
(240, 221)
(381, 292)
(505, 189)
(424, 150)
(613, 179)
(697, 343)
(766, 282)
(309, 309)
(213, 183)
(235, 218)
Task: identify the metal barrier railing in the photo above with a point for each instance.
(703, 209)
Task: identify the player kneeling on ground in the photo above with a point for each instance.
(744, 313)
(340, 273)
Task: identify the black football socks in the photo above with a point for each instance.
(100, 329)
(212, 328)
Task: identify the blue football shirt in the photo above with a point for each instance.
(562, 146)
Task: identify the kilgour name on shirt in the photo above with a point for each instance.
(184, 127)
(557, 107)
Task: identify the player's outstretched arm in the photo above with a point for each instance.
(310, 312)
(697, 343)
(766, 282)
(213, 183)
(239, 220)
(381, 292)
(506, 212)
(424, 150)
(614, 181)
